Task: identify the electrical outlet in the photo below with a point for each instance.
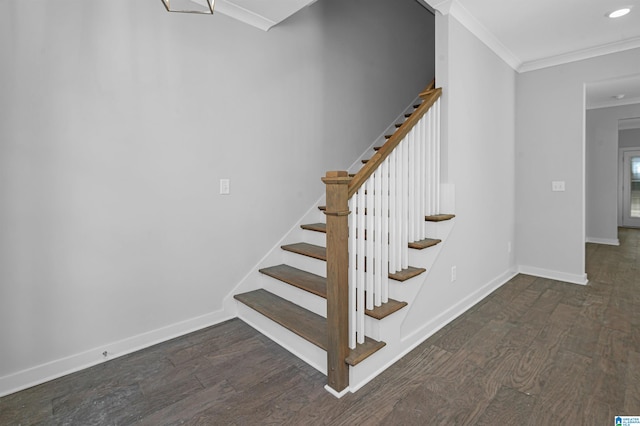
(454, 273)
(224, 186)
(557, 186)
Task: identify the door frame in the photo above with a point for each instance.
(621, 180)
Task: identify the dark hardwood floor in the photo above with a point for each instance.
(536, 352)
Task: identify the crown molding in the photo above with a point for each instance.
(579, 55)
(462, 15)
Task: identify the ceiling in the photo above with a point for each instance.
(536, 34)
(530, 35)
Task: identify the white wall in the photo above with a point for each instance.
(602, 170)
(550, 146)
(117, 121)
(478, 116)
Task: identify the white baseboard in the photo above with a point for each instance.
(335, 393)
(607, 241)
(554, 275)
(61, 367)
(434, 325)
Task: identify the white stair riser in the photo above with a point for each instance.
(314, 237)
(306, 263)
(302, 298)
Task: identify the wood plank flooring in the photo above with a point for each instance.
(535, 352)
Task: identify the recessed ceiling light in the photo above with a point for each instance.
(618, 13)
(618, 97)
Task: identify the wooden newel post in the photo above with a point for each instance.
(337, 212)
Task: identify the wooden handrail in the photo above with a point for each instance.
(429, 97)
(430, 86)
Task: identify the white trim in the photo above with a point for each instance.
(554, 275)
(579, 55)
(437, 323)
(244, 15)
(335, 393)
(607, 241)
(621, 152)
(470, 22)
(61, 367)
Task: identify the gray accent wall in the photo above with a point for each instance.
(117, 121)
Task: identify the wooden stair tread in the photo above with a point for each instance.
(365, 161)
(405, 274)
(318, 227)
(398, 125)
(408, 115)
(423, 244)
(317, 285)
(322, 208)
(418, 245)
(306, 249)
(311, 327)
(304, 280)
(380, 312)
(377, 148)
(387, 136)
(363, 351)
(439, 217)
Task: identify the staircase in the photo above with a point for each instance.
(328, 301)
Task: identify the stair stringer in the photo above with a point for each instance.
(389, 329)
(253, 280)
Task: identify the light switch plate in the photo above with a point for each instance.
(224, 186)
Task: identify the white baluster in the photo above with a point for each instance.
(432, 164)
(411, 188)
(384, 208)
(361, 264)
(369, 243)
(399, 211)
(425, 182)
(436, 125)
(393, 234)
(353, 241)
(404, 244)
(419, 183)
(377, 237)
